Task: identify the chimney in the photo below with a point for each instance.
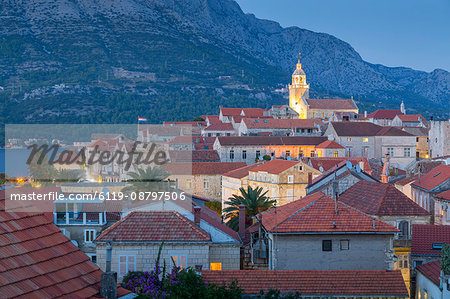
(108, 283)
(242, 221)
(385, 172)
(197, 210)
(361, 165)
(334, 187)
(309, 178)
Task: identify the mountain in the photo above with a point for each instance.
(110, 60)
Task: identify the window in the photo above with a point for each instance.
(323, 114)
(231, 155)
(313, 153)
(335, 154)
(390, 151)
(403, 261)
(127, 263)
(365, 139)
(407, 152)
(326, 245)
(258, 153)
(89, 235)
(290, 179)
(437, 245)
(93, 258)
(403, 226)
(188, 183)
(244, 154)
(205, 184)
(344, 244)
(180, 261)
(365, 151)
(349, 139)
(288, 153)
(215, 266)
(417, 263)
(300, 153)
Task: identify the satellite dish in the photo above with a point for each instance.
(349, 165)
(74, 242)
(358, 168)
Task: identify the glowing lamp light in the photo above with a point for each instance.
(427, 156)
(99, 180)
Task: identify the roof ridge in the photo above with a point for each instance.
(108, 229)
(193, 225)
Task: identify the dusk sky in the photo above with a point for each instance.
(410, 33)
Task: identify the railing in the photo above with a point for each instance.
(72, 218)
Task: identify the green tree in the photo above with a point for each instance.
(146, 180)
(254, 200)
(42, 172)
(215, 205)
(66, 175)
(445, 259)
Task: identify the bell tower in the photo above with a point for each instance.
(298, 90)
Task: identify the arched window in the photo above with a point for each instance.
(403, 226)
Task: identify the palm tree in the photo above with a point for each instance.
(254, 200)
(146, 180)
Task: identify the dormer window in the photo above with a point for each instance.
(437, 245)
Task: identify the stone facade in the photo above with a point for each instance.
(304, 252)
(439, 141)
(208, 186)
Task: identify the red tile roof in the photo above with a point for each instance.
(231, 111)
(365, 129)
(219, 126)
(330, 104)
(431, 270)
(185, 123)
(444, 195)
(433, 178)
(271, 140)
(380, 199)
(406, 180)
(424, 235)
(384, 114)
(330, 162)
(253, 112)
(411, 117)
(281, 123)
(154, 226)
(316, 213)
(314, 282)
(199, 168)
(241, 172)
(276, 166)
(329, 144)
(38, 261)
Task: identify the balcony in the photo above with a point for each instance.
(72, 218)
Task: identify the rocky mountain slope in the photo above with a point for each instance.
(108, 60)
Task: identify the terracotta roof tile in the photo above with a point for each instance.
(195, 156)
(266, 123)
(253, 112)
(329, 144)
(271, 140)
(276, 166)
(316, 213)
(330, 104)
(38, 261)
(230, 111)
(431, 270)
(242, 171)
(356, 283)
(380, 199)
(365, 129)
(328, 162)
(424, 235)
(411, 117)
(219, 126)
(384, 114)
(165, 226)
(444, 195)
(433, 178)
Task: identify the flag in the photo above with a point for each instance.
(141, 119)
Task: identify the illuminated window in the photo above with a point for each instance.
(319, 154)
(216, 266)
(335, 154)
(179, 261)
(349, 139)
(365, 139)
(313, 154)
(188, 183)
(89, 235)
(127, 263)
(323, 114)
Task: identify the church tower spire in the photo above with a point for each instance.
(402, 108)
(298, 90)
